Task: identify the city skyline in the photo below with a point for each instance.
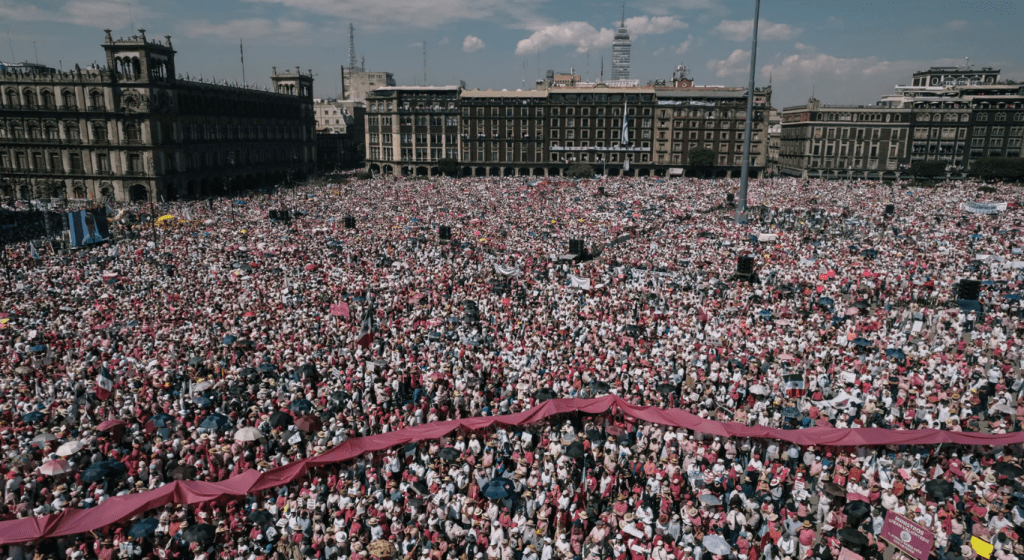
(851, 53)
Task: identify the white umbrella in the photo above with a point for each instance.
(758, 390)
(44, 438)
(716, 544)
(248, 433)
(70, 448)
(203, 386)
(55, 467)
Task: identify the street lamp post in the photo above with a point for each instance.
(741, 205)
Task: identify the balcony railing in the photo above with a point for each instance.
(97, 108)
(69, 108)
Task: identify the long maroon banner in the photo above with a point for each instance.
(120, 508)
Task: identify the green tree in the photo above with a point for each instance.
(998, 169)
(580, 170)
(928, 169)
(363, 175)
(701, 161)
(448, 166)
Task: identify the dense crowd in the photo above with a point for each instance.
(233, 342)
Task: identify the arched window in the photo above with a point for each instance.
(30, 98)
(12, 98)
(132, 132)
(48, 101)
(69, 101)
(1000, 117)
(95, 100)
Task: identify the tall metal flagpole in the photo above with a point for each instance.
(741, 204)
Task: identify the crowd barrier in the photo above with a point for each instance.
(120, 508)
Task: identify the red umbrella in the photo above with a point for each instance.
(249, 314)
(308, 423)
(787, 357)
(310, 266)
(107, 425)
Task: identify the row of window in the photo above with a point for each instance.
(51, 131)
(53, 162)
(29, 99)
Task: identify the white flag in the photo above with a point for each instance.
(625, 125)
(32, 247)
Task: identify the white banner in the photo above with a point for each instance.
(507, 270)
(984, 207)
(579, 282)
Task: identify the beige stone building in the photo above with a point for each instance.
(135, 129)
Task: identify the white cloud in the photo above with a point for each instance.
(444, 41)
(809, 62)
(743, 30)
(644, 25)
(586, 37)
(471, 43)
(737, 63)
(579, 34)
(956, 24)
(99, 14)
(252, 28)
(685, 45)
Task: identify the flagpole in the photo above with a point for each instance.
(241, 52)
(741, 202)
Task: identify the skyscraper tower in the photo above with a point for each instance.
(620, 50)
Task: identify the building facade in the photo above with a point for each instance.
(357, 83)
(408, 129)
(621, 47)
(543, 132)
(340, 134)
(841, 141)
(954, 115)
(774, 140)
(136, 130)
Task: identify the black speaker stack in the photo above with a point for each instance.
(444, 233)
(968, 289)
(730, 198)
(744, 265)
(890, 209)
(576, 247)
(350, 222)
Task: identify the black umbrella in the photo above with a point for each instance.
(143, 528)
(414, 502)
(835, 489)
(666, 388)
(575, 450)
(202, 533)
(449, 454)
(596, 436)
(632, 331)
(939, 489)
(183, 472)
(1009, 470)
(545, 394)
(280, 419)
(853, 536)
(420, 488)
(601, 387)
(261, 517)
(857, 510)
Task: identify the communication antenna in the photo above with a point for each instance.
(351, 46)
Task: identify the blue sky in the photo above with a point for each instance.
(845, 52)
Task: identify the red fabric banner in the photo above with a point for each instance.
(120, 508)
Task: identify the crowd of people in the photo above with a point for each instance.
(216, 341)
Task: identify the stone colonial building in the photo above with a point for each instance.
(948, 114)
(543, 132)
(135, 129)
